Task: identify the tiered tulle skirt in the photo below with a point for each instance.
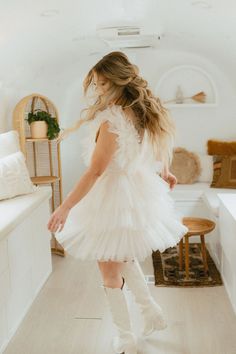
(122, 217)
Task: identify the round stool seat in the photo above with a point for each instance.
(196, 226)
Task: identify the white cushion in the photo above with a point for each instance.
(15, 210)
(188, 192)
(9, 143)
(202, 190)
(14, 176)
(206, 162)
(212, 200)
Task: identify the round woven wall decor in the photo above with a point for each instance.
(185, 166)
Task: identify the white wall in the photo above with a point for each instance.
(194, 125)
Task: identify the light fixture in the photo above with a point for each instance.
(203, 4)
(125, 36)
(79, 38)
(50, 13)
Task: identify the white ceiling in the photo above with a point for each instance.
(31, 41)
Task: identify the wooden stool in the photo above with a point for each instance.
(196, 226)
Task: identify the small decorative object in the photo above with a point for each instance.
(38, 129)
(42, 125)
(185, 166)
(179, 95)
(199, 97)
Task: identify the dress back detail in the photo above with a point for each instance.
(129, 154)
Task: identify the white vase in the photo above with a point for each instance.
(38, 129)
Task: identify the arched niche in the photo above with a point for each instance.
(192, 80)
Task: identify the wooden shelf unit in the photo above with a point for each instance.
(42, 155)
(44, 179)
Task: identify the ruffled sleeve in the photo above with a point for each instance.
(88, 143)
(127, 155)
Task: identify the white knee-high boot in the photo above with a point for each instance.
(152, 313)
(126, 341)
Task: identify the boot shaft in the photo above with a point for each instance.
(126, 340)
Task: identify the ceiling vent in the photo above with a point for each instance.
(127, 37)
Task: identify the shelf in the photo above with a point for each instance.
(42, 155)
(184, 105)
(44, 179)
(40, 139)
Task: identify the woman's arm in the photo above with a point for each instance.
(164, 172)
(168, 177)
(102, 154)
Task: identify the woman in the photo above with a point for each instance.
(122, 209)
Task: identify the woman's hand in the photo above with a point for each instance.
(171, 179)
(58, 218)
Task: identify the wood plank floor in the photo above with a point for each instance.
(70, 316)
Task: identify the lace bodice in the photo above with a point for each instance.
(131, 154)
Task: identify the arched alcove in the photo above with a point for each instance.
(192, 80)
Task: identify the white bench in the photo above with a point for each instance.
(218, 204)
(227, 226)
(25, 256)
(201, 191)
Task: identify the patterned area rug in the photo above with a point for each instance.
(167, 273)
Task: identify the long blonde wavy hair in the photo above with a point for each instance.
(128, 89)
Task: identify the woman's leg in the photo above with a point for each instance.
(111, 273)
(126, 341)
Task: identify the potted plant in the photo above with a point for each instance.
(42, 125)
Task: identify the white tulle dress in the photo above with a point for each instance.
(128, 212)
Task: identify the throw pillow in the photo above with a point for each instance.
(9, 143)
(14, 176)
(220, 147)
(224, 163)
(224, 171)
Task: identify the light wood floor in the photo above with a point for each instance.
(70, 316)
